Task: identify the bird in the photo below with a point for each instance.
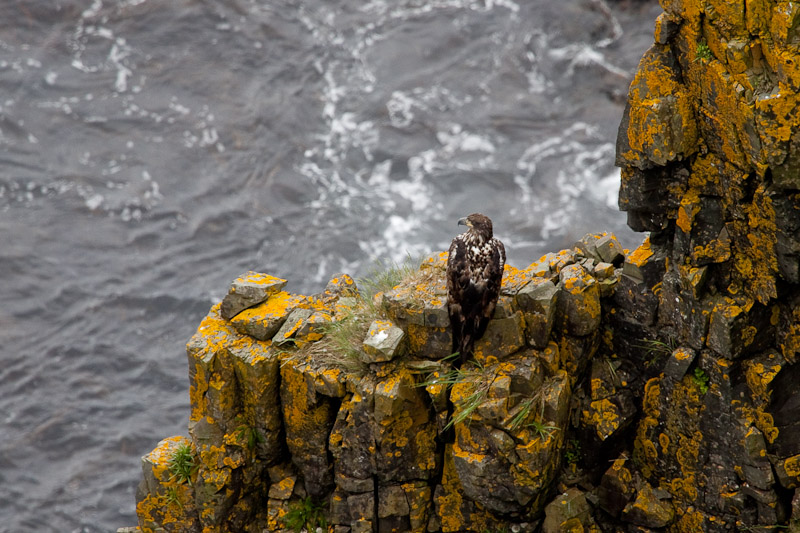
(474, 273)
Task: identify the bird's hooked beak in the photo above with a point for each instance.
(464, 222)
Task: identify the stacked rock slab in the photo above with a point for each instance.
(363, 416)
(710, 153)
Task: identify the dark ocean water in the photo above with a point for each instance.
(153, 150)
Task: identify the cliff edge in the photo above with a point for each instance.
(644, 390)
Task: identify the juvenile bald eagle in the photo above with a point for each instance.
(474, 272)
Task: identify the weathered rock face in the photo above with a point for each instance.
(708, 150)
(353, 404)
(644, 390)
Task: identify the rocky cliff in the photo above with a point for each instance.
(652, 390)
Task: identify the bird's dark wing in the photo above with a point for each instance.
(458, 285)
(457, 271)
(491, 280)
(493, 274)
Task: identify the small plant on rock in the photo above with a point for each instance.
(573, 452)
(541, 429)
(524, 413)
(478, 381)
(250, 435)
(656, 351)
(700, 379)
(173, 498)
(306, 515)
(341, 342)
(703, 52)
(181, 465)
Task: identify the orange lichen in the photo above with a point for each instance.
(661, 125)
(449, 500)
(690, 521)
(640, 255)
(172, 500)
(604, 416)
(278, 305)
(755, 259)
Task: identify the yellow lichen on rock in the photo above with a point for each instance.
(661, 124)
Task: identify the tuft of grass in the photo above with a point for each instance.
(524, 412)
(656, 350)
(479, 382)
(700, 379)
(250, 435)
(173, 498)
(703, 52)
(307, 515)
(340, 345)
(181, 465)
(386, 275)
(542, 430)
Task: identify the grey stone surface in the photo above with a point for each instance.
(384, 342)
(249, 289)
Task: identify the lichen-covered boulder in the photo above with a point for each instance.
(164, 502)
(308, 417)
(569, 512)
(537, 300)
(453, 510)
(610, 407)
(418, 305)
(648, 510)
(264, 320)
(248, 290)
(384, 429)
(503, 337)
(384, 342)
(579, 300)
(658, 125)
(601, 248)
(384, 439)
(509, 432)
(421, 301)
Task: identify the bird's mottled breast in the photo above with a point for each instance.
(479, 254)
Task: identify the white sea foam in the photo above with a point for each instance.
(94, 201)
(606, 190)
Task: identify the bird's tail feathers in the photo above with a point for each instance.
(465, 347)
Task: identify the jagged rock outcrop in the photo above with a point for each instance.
(364, 414)
(708, 149)
(644, 390)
